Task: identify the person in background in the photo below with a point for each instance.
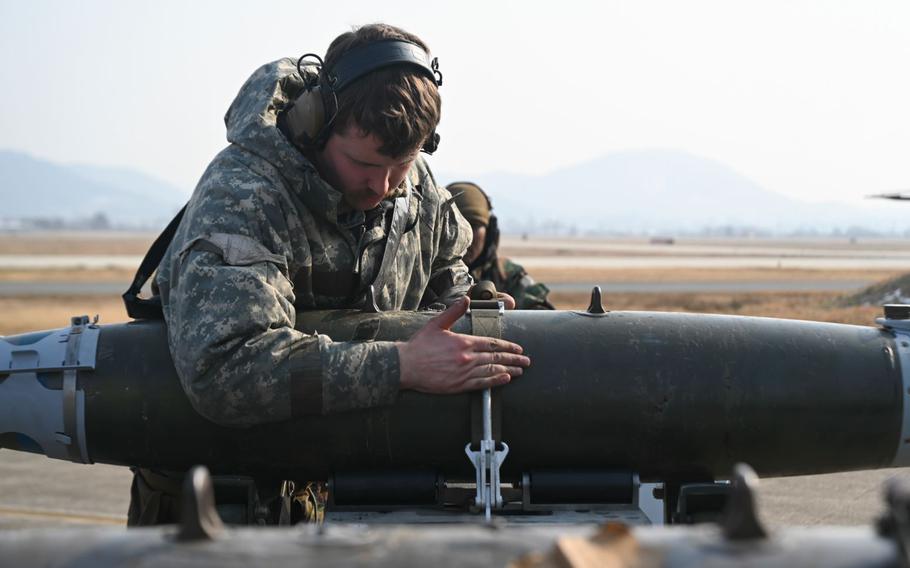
(482, 256)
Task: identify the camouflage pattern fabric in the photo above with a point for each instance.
(263, 236)
(512, 279)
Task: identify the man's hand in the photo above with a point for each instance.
(439, 361)
(484, 290)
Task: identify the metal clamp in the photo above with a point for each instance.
(51, 417)
(70, 430)
(487, 462)
(486, 320)
(900, 327)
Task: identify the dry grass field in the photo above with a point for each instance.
(25, 313)
(817, 306)
(110, 274)
(603, 275)
(31, 313)
(75, 243)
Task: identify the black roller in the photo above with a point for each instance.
(400, 488)
(574, 486)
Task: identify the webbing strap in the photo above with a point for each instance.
(486, 321)
(150, 308)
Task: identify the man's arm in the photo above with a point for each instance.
(242, 363)
(231, 326)
(229, 306)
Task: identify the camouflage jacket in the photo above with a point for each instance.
(512, 279)
(263, 236)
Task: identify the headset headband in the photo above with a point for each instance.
(309, 120)
(363, 59)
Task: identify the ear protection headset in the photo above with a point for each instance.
(309, 119)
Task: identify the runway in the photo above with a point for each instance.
(39, 492)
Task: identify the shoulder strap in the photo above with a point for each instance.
(150, 308)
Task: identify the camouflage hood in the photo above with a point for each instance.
(251, 118)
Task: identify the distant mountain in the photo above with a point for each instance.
(646, 191)
(35, 188)
(665, 191)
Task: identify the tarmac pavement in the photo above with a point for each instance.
(39, 492)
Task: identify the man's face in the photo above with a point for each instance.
(352, 164)
(480, 236)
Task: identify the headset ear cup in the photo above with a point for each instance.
(306, 118)
(432, 143)
(311, 115)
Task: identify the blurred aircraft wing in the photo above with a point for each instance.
(899, 196)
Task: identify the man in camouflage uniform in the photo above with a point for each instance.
(274, 227)
(482, 258)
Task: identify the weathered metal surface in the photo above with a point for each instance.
(536, 545)
(452, 545)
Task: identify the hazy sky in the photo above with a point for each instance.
(809, 99)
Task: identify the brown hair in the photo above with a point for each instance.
(400, 107)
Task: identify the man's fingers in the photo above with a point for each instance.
(491, 344)
(487, 382)
(453, 313)
(491, 370)
(515, 371)
(502, 358)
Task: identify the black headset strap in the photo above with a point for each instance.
(363, 59)
(150, 308)
(350, 66)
